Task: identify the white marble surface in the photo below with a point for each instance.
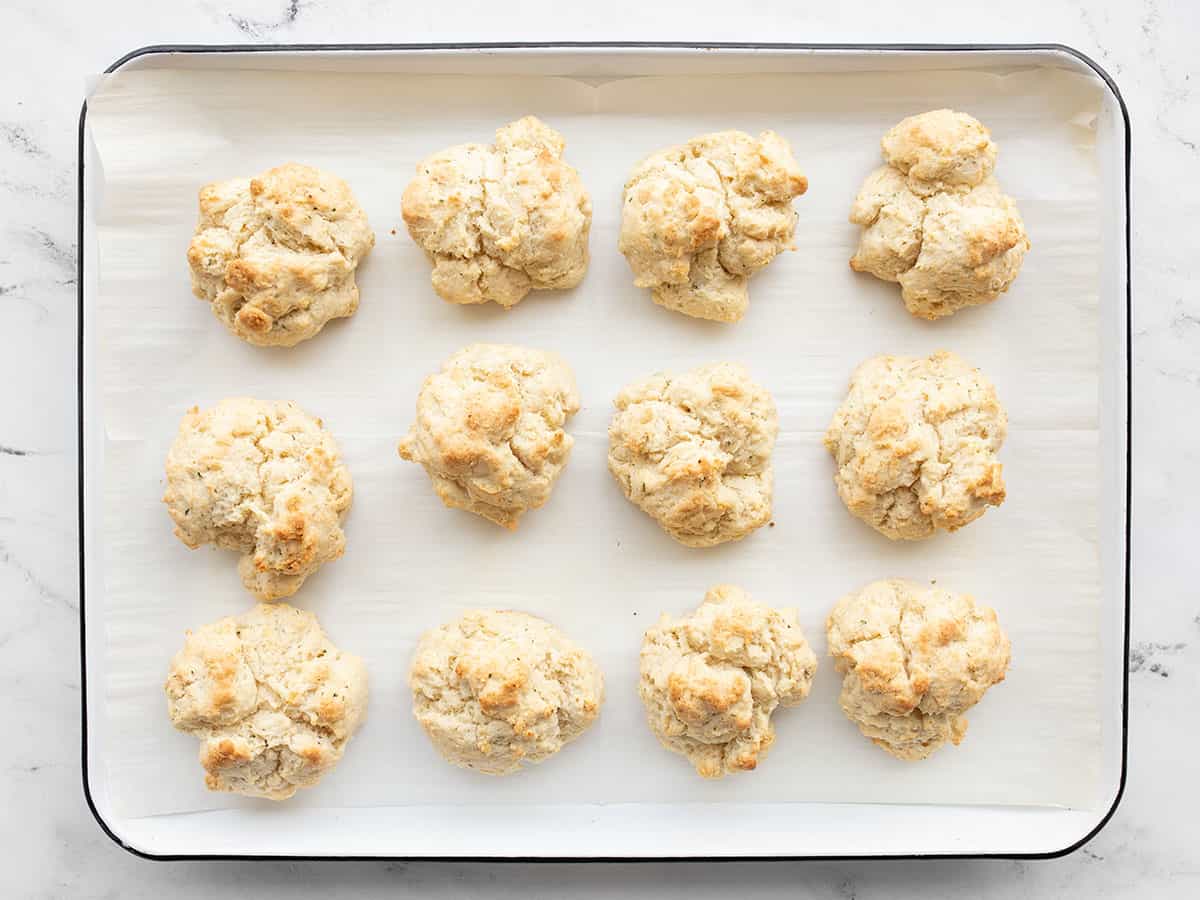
(53, 847)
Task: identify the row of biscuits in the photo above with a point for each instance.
(276, 255)
(275, 703)
(915, 444)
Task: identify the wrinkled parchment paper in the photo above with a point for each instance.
(590, 561)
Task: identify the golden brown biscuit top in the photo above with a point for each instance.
(698, 219)
(275, 255)
(710, 680)
(271, 698)
(500, 220)
(934, 219)
(491, 429)
(915, 442)
(498, 689)
(940, 150)
(915, 658)
(693, 450)
(265, 479)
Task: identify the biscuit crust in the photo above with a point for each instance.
(693, 451)
(264, 479)
(271, 699)
(700, 218)
(497, 690)
(915, 659)
(499, 220)
(915, 442)
(711, 679)
(275, 255)
(934, 218)
(491, 429)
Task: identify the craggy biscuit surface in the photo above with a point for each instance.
(941, 150)
(500, 220)
(490, 429)
(915, 659)
(275, 255)
(272, 701)
(262, 478)
(711, 679)
(699, 219)
(497, 689)
(934, 218)
(915, 442)
(694, 452)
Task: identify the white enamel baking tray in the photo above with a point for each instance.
(705, 825)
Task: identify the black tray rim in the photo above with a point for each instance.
(168, 49)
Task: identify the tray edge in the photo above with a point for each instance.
(155, 49)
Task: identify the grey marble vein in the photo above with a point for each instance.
(61, 191)
(1178, 138)
(20, 140)
(1147, 655)
(40, 588)
(60, 254)
(1186, 376)
(1096, 39)
(257, 28)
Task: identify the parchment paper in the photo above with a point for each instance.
(590, 561)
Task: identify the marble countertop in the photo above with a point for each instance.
(54, 847)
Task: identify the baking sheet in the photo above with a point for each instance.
(589, 561)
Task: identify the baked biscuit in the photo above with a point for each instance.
(693, 451)
(496, 690)
(711, 679)
(490, 429)
(914, 660)
(271, 699)
(915, 443)
(934, 218)
(275, 255)
(500, 220)
(699, 219)
(262, 478)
